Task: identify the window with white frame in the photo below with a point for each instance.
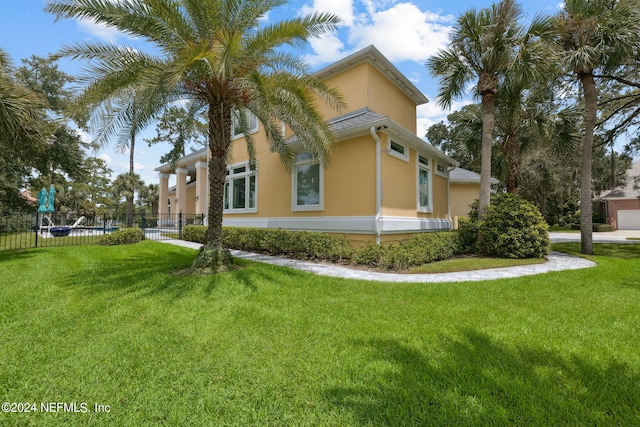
(424, 184)
(441, 170)
(307, 185)
(252, 122)
(398, 150)
(240, 188)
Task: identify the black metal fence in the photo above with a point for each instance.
(22, 231)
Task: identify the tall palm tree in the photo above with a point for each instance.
(487, 45)
(217, 53)
(127, 185)
(595, 35)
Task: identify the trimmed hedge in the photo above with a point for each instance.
(121, 237)
(595, 227)
(420, 249)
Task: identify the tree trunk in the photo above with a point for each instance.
(213, 257)
(590, 105)
(132, 145)
(488, 101)
(512, 151)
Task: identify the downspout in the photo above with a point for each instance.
(449, 169)
(376, 220)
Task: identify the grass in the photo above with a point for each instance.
(267, 345)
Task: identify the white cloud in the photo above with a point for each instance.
(341, 8)
(403, 32)
(431, 113)
(101, 31)
(326, 49)
(106, 158)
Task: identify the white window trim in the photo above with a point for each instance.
(251, 131)
(404, 157)
(444, 173)
(419, 166)
(248, 173)
(294, 187)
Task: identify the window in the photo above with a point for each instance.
(398, 150)
(307, 191)
(441, 170)
(240, 188)
(252, 122)
(424, 185)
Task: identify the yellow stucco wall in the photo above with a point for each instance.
(399, 188)
(462, 195)
(349, 181)
(387, 99)
(364, 86)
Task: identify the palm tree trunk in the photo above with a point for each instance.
(590, 105)
(488, 102)
(213, 256)
(512, 149)
(132, 144)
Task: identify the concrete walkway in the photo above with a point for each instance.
(556, 261)
(620, 236)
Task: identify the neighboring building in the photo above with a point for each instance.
(621, 206)
(382, 182)
(465, 189)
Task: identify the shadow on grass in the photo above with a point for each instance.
(616, 250)
(476, 381)
(152, 272)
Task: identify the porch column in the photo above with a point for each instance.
(163, 194)
(202, 181)
(181, 191)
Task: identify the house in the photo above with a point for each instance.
(464, 186)
(382, 183)
(621, 206)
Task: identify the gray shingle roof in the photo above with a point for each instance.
(348, 121)
(466, 176)
(631, 190)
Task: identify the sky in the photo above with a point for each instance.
(407, 32)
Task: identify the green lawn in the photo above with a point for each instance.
(267, 345)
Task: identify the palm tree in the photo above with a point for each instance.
(127, 185)
(487, 45)
(595, 35)
(22, 114)
(217, 53)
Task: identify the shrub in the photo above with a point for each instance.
(194, 233)
(421, 249)
(602, 227)
(121, 237)
(595, 227)
(513, 228)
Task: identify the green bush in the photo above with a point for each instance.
(602, 227)
(194, 233)
(513, 228)
(421, 249)
(121, 237)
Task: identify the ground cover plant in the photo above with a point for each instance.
(266, 345)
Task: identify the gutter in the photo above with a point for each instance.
(376, 220)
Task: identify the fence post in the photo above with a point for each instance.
(143, 224)
(180, 225)
(37, 227)
(104, 224)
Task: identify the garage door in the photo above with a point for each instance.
(629, 220)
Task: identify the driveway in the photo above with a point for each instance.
(620, 236)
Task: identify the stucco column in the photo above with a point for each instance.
(181, 190)
(163, 197)
(201, 188)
